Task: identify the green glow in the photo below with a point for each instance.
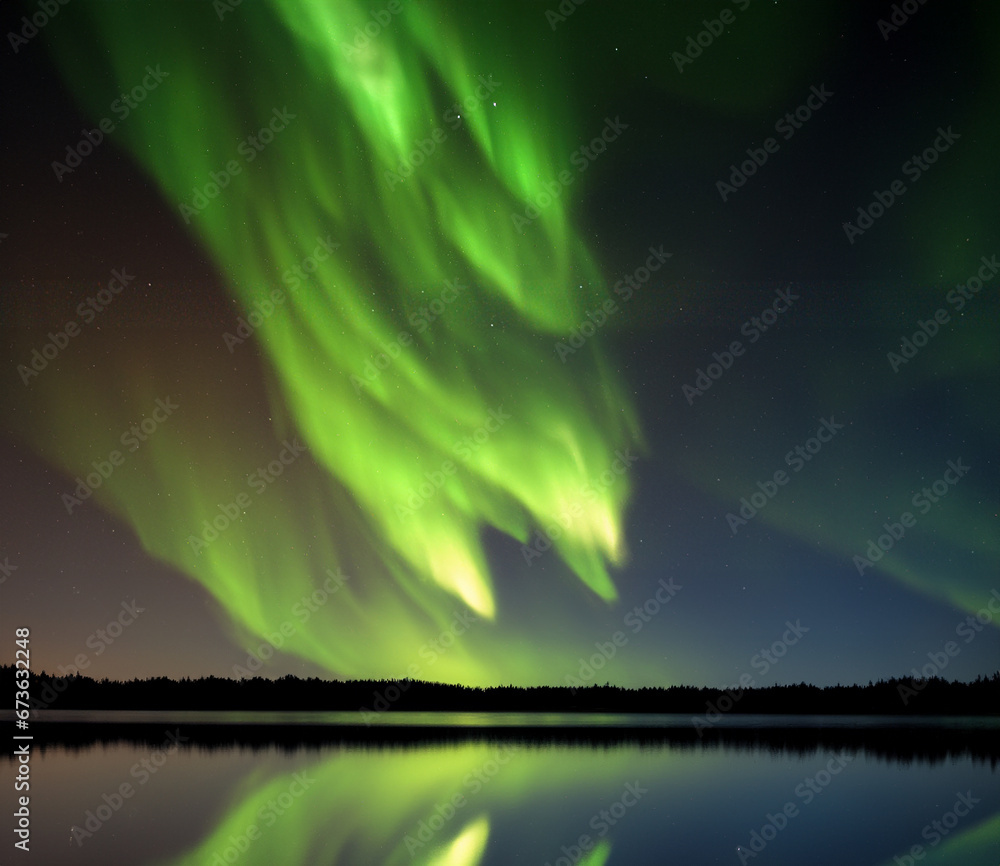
(599, 856)
(467, 848)
(357, 115)
(377, 806)
(287, 819)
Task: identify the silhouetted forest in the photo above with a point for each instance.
(370, 698)
(931, 744)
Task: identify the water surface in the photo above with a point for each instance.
(755, 790)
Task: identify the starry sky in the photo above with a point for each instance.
(501, 343)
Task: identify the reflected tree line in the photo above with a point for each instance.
(897, 744)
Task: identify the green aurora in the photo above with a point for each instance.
(384, 417)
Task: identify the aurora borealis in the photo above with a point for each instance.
(466, 356)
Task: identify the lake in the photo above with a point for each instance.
(463, 789)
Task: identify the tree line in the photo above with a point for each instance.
(896, 696)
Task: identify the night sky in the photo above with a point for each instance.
(474, 333)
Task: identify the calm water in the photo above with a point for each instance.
(500, 799)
